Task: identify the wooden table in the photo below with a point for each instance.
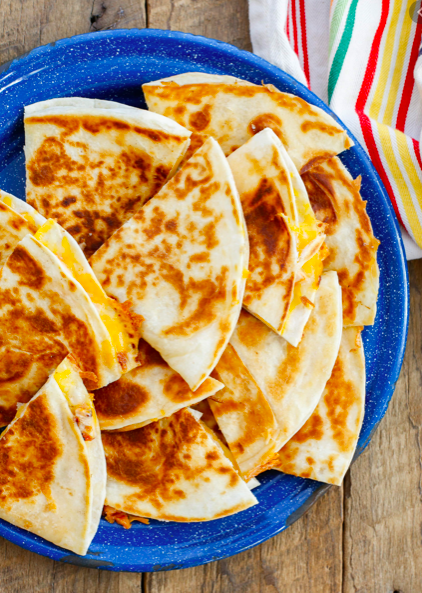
(362, 538)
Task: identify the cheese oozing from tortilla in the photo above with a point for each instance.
(123, 338)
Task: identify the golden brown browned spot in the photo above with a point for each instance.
(196, 141)
(314, 160)
(82, 344)
(209, 295)
(176, 389)
(120, 398)
(268, 120)
(250, 331)
(321, 200)
(312, 429)
(27, 268)
(151, 460)
(320, 126)
(200, 119)
(340, 395)
(28, 452)
(269, 239)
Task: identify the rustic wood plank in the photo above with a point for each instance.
(25, 572)
(220, 19)
(383, 511)
(307, 558)
(25, 24)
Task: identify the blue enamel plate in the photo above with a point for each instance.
(113, 65)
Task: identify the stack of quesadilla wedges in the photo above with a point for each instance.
(218, 321)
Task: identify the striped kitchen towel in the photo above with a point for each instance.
(360, 56)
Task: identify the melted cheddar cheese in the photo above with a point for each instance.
(120, 341)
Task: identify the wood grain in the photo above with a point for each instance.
(226, 20)
(25, 24)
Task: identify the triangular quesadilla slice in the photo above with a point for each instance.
(44, 315)
(182, 261)
(293, 379)
(91, 166)
(232, 110)
(147, 393)
(324, 447)
(244, 416)
(52, 481)
(268, 202)
(173, 470)
(337, 202)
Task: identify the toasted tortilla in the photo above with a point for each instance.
(122, 327)
(324, 447)
(232, 110)
(52, 481)
(244, 416)
(293, 379)
(44, 315)
(181, 262)
(91, 165)
(336, 200)
(147, 393)
(173, 470)
(268, 202)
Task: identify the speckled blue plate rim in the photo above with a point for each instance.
(301, 494)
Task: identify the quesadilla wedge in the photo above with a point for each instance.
(285, 237)
(52, 481)
(337, 202)
(181, 262)
(324, 447)
(244, 416)
(91, 166)
(46, 314)
(293, 379)
(232, 110)
(173, 470)
(147, 393)
(20, 219)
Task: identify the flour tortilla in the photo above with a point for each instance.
(44, 315)
(244, 416)
(147, 393)
(337, 202)
(268, 202)
(52, 481)
(181, 262)
(91, 166)
(232, 110)
(173, 470)
(293, 379)
(324, 447)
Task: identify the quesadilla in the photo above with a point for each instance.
(173, 470)
(324, 447)
(285, 237)
(52, 481)
(20, 219)
(91, 165)
(293, 379)
(337, 202)
(46, 314)
(232, 110)
(13, 225)
(244, 416)
(182, 262)
(147, 393)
